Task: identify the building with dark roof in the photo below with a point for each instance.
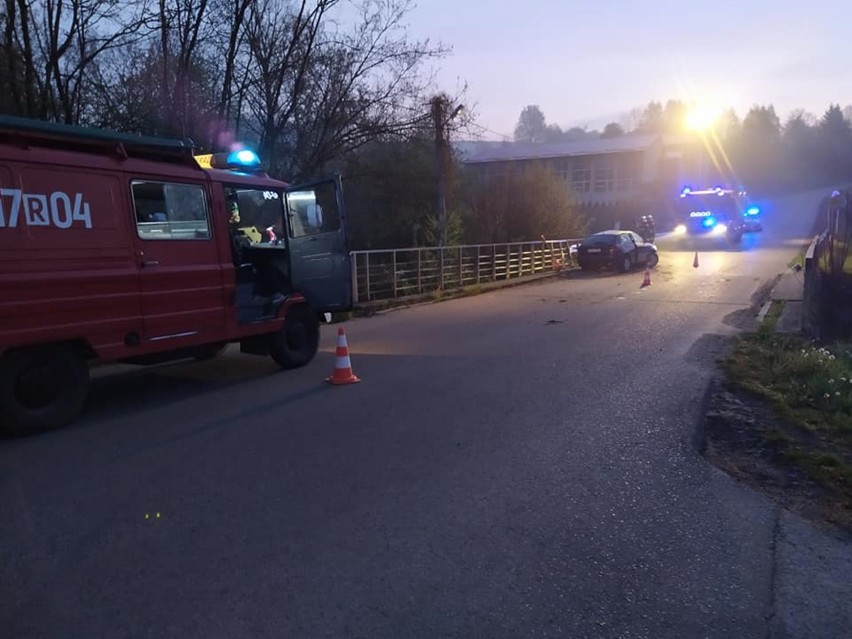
(597, 171)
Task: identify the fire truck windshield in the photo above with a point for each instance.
(696, 205)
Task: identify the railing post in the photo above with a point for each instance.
(393, 265)
(520, 260)
(419, 280)
(493, 262)
(353, 268)
(367, 268)
(461, 267)
(478, 250)
(441, 266)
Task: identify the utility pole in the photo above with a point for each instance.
(440, 119)
(439, 111)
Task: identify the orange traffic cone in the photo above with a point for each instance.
(647, 280)
(695, 261)
(342, 366)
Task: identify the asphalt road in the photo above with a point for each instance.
(516, 464)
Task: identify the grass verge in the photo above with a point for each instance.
(810, 389)
(775, 309)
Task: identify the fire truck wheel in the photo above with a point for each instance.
(41, 389)
(298, 340)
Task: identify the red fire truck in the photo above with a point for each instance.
(120, 248)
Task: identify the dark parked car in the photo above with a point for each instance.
(622, 250)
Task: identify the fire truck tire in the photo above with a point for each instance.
(41, 389)
(298, 340)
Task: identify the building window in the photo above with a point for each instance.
(604, 175)
(581, 178)
(561, 169)
(628, 171)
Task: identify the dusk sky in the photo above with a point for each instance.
(589, 62)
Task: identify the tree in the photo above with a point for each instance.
(576, 133)
(729, 125)
(233, 32)
(656, 118)
(531, 125)
(553, 133)
(183, 26)
(612, 130)
(761, 125)
(521, 204)
(835, 141)
(316, 92)
(632, 120)
(282, 74)
(49, 49)
(390, 192)
(652, 120)
(833, 123)
(128, 96)
(798, 129)
(757, 155)
(799, 151)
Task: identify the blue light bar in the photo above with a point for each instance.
(686, 191)
(243, 158)
(709, 222)
(752, 210)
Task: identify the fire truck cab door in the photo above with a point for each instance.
(319, 259)
(179, 266)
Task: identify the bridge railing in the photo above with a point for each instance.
(388, 274)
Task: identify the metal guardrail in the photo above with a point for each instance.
(812, 284)
(393, 273)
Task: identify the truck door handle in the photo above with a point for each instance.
(150, 263)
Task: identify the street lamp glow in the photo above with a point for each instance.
(700, 118)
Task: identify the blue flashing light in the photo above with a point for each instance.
(686, 191)
(752, 210)
(709, 222)
(243, 158)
